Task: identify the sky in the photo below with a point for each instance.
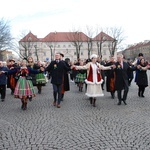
(44, 16)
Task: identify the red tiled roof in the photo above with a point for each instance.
(28, 37)
(65, 37)
(138, 45)
(103, 35)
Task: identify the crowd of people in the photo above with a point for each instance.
(22, 77)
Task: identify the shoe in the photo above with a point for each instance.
(54, 103)
(119, 103)
(2, 100)
(30, 99)
(39, 91)
(142, 96)
(58, 106)
(124, 101)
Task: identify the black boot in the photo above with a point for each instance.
(22, 106)
(142, 93)
(112, 95)
(94, 101)
(119, 103)
(91, 100)
(25, 106)
(139, 93)
(62, 96)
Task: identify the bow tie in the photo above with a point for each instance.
(57, 61)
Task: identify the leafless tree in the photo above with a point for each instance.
(89, 32)
(117, 34)
(100, 39)
(6, 39)
(50, 41)
(76, 39)
(27, 44)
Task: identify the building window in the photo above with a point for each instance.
(69, 45)
(58, 46)
(81, 53)
(104, 52)
(64, 45)
(75, 53)
(51, 45)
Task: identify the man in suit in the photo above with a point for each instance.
(56, 69)
(121, 82)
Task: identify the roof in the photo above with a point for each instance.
(65, 37)
(30, 37)
(138, 45)
(103, 36)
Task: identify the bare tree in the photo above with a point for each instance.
(117, 34)
(50, 41)
(77, 38)
(27, 44)
(100, 39)
(6, 39)
(89, 33)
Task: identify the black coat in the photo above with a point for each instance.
(57, 71)
(121, 76)
(110, 74)
(66, 78)
(142, 78)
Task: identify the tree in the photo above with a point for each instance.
(6, 39)
(50, 41)
(28, 45)
(117, 34)
(76, 39)
(89, 33)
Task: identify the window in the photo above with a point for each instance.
(69, 45)
(64, 45)
(75, 53)
(58, 45)
(81, 53)
(104, 52)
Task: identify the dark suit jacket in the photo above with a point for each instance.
(121, 76)
(57, 71)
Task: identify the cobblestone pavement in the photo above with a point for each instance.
(76, 125)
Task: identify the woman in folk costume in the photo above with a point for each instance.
(24, 88)
(94, 79)
(32, 64)
(80, 77)
(40, 78)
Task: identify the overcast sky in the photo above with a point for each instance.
(44, 16)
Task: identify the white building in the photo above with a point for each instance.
(67, 43)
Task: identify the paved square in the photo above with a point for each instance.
(76, 125)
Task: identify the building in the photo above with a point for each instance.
(5, 55)
(73, 45)
(133, 50)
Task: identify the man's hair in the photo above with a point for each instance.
(140, 54)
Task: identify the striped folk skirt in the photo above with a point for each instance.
(24, 88)
(40, 79)
(80, 77)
